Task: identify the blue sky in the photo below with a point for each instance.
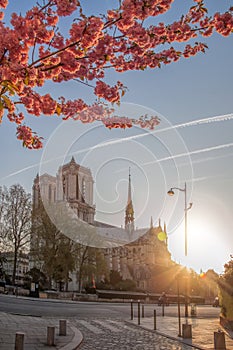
(199, 154)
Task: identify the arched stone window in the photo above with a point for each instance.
(64, 187)
(50, 193)
(83, 189)
(77, 187)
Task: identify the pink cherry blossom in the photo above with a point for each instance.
(30, 139)
(33, 51)
(3, 3)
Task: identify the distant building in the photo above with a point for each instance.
(22, 267)
(139, 255)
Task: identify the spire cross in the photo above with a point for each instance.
(129, 188)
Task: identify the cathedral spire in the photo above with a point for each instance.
(129, 212)
(151, 222)
(129, 189)
(72, 160)
(160, 228)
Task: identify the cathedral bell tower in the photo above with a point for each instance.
(129, 212)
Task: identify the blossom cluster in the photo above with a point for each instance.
(33, 51)
(66, 7)
(223, 23)
(106, 91)
(29, 138)
(125, 122)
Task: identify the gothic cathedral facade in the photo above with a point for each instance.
(137, 260)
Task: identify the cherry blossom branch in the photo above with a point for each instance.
(91, 47)
(83, 82)
(53, 54)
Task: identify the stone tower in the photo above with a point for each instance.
(129, 211)
(72, 184)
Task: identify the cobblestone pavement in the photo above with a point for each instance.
(35, 331)
(202, 330)
(109, 333)
(116, 334)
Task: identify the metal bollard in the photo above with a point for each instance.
(142, 310)
(154, 320)
(193, 310)
(163, 309)
(62, 327)
(131, 307)
(187, 331)
(219, 340)
(50, 335)
(19, 341)
(138, 312)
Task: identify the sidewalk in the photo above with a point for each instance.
(202, 330)
(35, 333)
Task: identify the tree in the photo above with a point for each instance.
(51, 250)
(2, 270)
(114, 278)
(33, 51)
(2, 206)
(212, 279)
(82, 262)
(58, 255)
(226, 290)
(65, 262)
(16, 221)
(36, 276)
(90, 265)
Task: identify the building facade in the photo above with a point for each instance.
(22, 267)
(137, 260)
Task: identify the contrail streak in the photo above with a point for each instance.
(198, 151)
(215, 119)
(180, 155)
(20, 171)
(220, 118)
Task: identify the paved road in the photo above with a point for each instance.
(57, 308)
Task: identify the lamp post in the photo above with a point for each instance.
(178, 303)
(171, 193)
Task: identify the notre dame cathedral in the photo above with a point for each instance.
(135, 259)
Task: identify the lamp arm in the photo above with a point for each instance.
(189, 207)
(177, 188)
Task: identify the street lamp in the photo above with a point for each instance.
(171, 193)
(178, 303)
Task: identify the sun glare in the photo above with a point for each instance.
(205, 244)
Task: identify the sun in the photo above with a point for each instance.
(206, 247)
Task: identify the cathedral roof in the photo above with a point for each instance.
(73, 163)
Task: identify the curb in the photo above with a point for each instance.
(75, 342)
